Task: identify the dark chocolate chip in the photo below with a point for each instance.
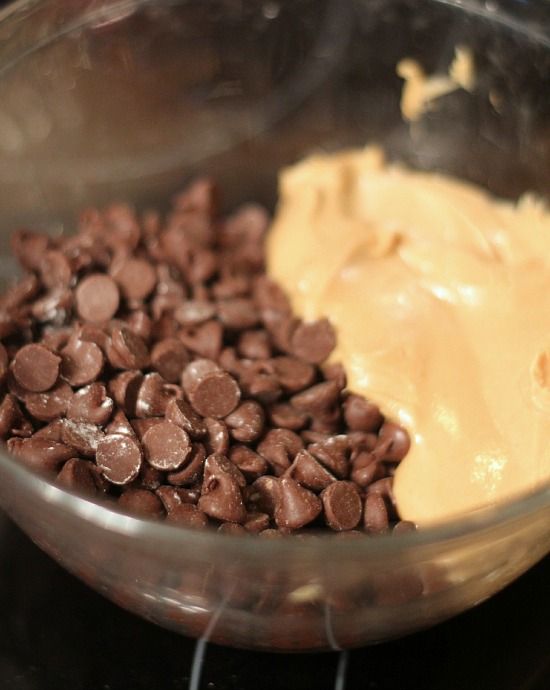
(342, 506)
(35, 368)
(119, 457)
(97, 298)
(314, 341)
(246, 423)
(295, 506)
(166, 446)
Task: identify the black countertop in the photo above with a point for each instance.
(56, 634)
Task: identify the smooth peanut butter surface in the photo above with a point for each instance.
(440, 295)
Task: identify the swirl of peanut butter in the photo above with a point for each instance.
(440, 295)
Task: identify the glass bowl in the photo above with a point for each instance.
(102, 100)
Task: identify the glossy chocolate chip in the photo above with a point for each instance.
(41, 454)
(394, 442)
(295, 506)
(221, 494)
(77, 475)
(154, 395)
(127, 350)
(180, 412)
(251, 464)
(82, 436)
(193, 470)
(81, 362)
(91, 404)
(279, 447)
(124, 389)
(308, 472)
(51, 404)
(246, 422)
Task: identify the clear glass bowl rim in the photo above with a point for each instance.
(104, 516)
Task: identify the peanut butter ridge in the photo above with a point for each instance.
(440, 295)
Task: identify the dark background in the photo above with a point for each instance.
(56, 634)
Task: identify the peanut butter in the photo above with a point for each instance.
(440, 295)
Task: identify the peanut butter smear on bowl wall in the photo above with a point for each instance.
(440, 295)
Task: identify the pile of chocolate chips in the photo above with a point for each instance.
(153, 362)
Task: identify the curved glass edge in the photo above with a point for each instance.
(106, 517)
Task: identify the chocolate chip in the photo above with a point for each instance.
(195, 372)
(295, 506)
(142, 426)
(142, 503)
(279, 447)
(193, 312)
(135, 277)
(314, 341)
(91, 404)
(119, 424)
(119, 457)
(77, 475)
(180, 412)
(81, 436)
(269, 296)
(216, 395)
(169, 357)
(124, 388)
(335, 372)
(334, 454)
(246, 423)
(35, 368)
(238, 313)
(404, 526)
(394, 442)
(251, 464)
(81, 362)
(217, 436)
(293, 374)
(166, 446)
(11, 417)
(342, 506)
(288, 417)
(232, 528)
(140, 324)
(256, 522)
(308, 472)
(264, 495)
(55, 269)
(366, 469)
(97, 298)
(127, 350)
(254, 345)
(204, 340)
(193, 470)
(40, 454)
(376, 514)
(51, 431)
(188, 515)
(154, 395)
(173, 497)
(317, 399)
(361, 415)
(221, 494)
(51, 404)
